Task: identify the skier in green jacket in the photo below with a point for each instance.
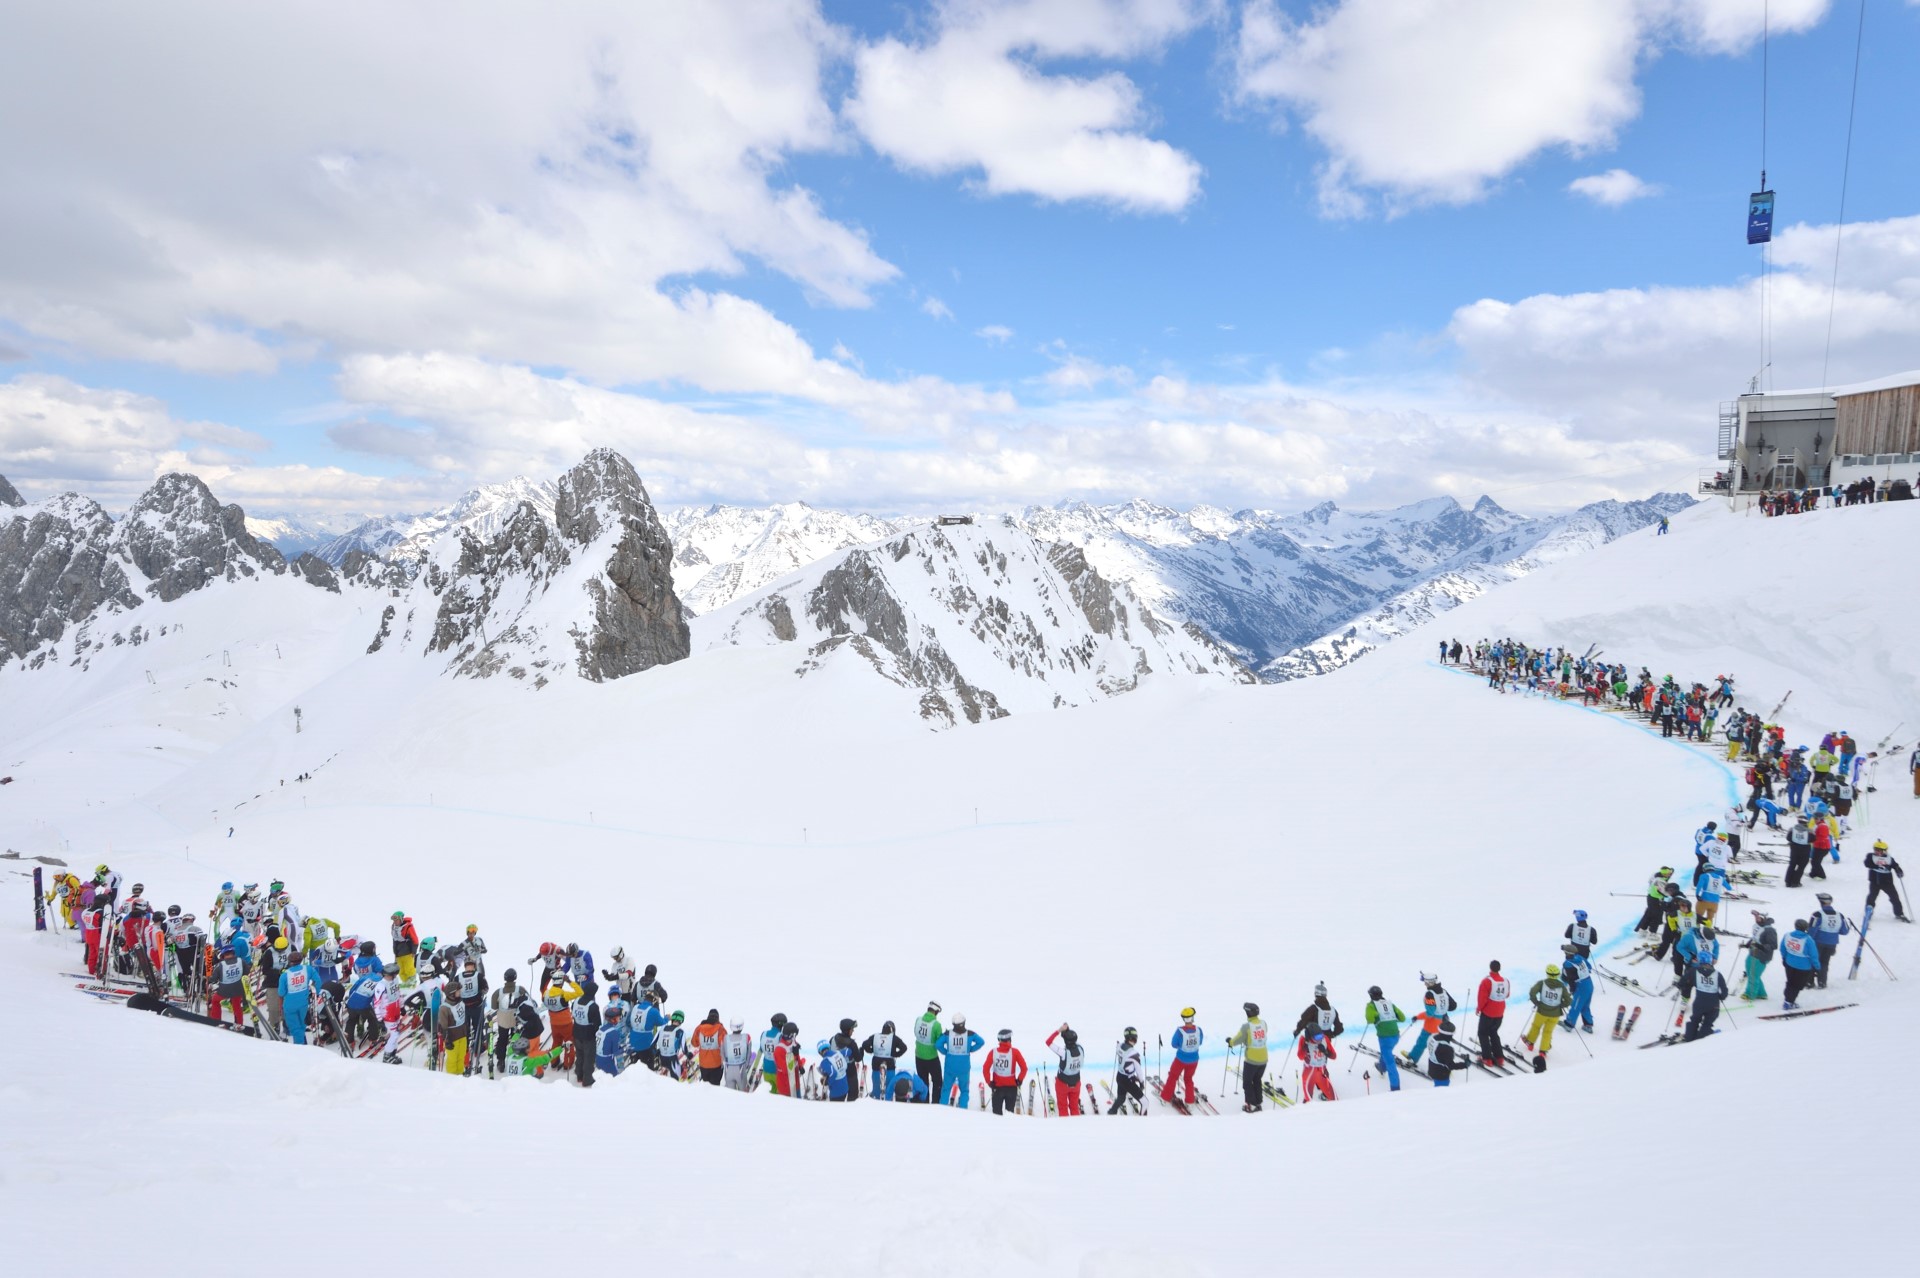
(926, 1051)
(1386, 1018)
(1251, 1038)
(1549, 997)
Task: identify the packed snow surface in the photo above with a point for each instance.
(800, 845)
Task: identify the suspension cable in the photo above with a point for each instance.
(1846, 169)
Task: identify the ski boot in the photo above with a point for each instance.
(390, 1058)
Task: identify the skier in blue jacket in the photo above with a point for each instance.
(1186, 1056)
(908, 1089)
(643, 1026)
(957, 1047)
(296, 988)
(610, 1041)
(1801, 957)
(1576, 970)
(833, 1068)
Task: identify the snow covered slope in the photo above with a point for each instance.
(721, 553)
(795, 844)
(978, 621)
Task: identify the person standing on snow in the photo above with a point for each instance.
(1709, 988)
(644, 1024)
(850, 1047)
(1549, 997)
(1711, 884)
(957, 1047)
(1129, 1072)
(1251, 1039)
(835, 1070)
(1491, 1004)
(769, 1041)
(558, 995)
(788, 1063)
(1435, 1006)
(610, 1043)
(736, 1053)
(1316, 1050)
(1826, 925)
(505, 1006)
(586, 1032)
(1066, 1084)
(1577, 973)
(707, 1040)
(1760, 948)
(1186, 1056)
(296, 989)
(1319, 1015)
(1446, 1057)
(451, 1026)
(1649, 924)
(1799, 849)
(885, 1048)
(1005, 1069)
(406, 944)
(1801, 957)
(472, 985)
(1580, 934)
(672, 1044)
(621, 976)
(1386, 1018)
(926, 1051)
(1882, 869)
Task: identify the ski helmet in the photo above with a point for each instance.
(1703, 965)
(392, 969)
(398, 915)
(734, 1024)
(1373, 991)
(1706, 929)
(1580, 916)
(1319, 989)
(573, 948)
(366, 948)
(1187, 1013)
(1673, 889)
(1005, 1036)
(678, 1016)
(1711, 825)
(224, 887)
(1251, 1009)
(173, 911)
(1721, 836)
(1825, 898)
(546, 949)
(1429, 979)
(779, 1020)
(279, 942)
(651, 972)
(1447, 1026)
(1070, 1036)
(227, 951)
(619, 955)
(1493, 965)
(848, 1025)
(512, 976)
(102, 870)
(823, 1047)
(1879, 845)
(473, 929)
(1553, 969)
(959, 1022)
(138, 888)
(186, 918)
(933, 1007)
(233, 925)
(887, 1027)
(1799, 925)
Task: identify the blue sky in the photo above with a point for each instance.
(862, 254)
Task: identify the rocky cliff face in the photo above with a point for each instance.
(57, 569)
(180, 538)
(588, 589)
(9, 495)
(979, 621)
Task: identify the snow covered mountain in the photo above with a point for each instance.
(1270, 586)
(975, 621)
(407, 539)
(293, 536)
(721, 553)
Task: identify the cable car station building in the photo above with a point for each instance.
(1822, 439)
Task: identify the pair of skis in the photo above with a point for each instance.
(1623, 1024)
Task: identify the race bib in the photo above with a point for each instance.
(1498, 990)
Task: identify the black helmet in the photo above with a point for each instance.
(173, 911)
(650, 972)
(366, 947)
(1373, 991)
(790, 1030)
(1131, 1033)
(1071, 1036)
(887, 1028)
(1253, 1009)
(512, 976)
(779, 1020)
(848, 1025)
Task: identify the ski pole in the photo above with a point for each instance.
(1354, 1055)
(1582, 1040)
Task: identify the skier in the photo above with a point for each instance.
(649, 983)
(1319, 1015)
(1251, 1039)
(707, 1040)
(850, 1047)
(1315, 1051)
(558, 993)
(1005, 1069)
(644, 1024)
(926, 1050)
(908, 1089)
(475, 948)
(586, 1031)
(232, 973)
(509, 1005)
(1577, 973)
(1709, 987)
(885, 1048)
(1882, 869)
(1580, 934)
(1760, 948)
(1128, 1072)
(1826, 925)
(188, 947)
(1065, 1043)
(788, 1063)
(1649, 924)
(1491, 1004)
(92, 928)
(769, 1041)
(296, 988)
(406, 943)
(1711, 885)
(1801, 957)
(1186, 1056)
(1435, 1006)
(1446, 1055)
(957, 1047)
(472, 986)
(610, 1045)
(1679, 922)
(1386, 1018)
(672, 1044)
(366, 982)
(451, 1026)
(736, 1053)
(1549, 997)
(621, 976)
(835, 1070)
(1799, 849)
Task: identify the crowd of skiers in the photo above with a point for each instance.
(260, 961)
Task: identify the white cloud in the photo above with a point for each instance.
(1612, 188)
(1000, 334)
(936, 309)
(515, 183)
(975, 98)
(1073, 372)
(1639, 361)
(1429, 101)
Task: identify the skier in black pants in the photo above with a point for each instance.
(847, 1043)
(1882, 869)
(885, 1048)
(1127, 1073)
(1709, 987)
(1799, 848)
(586, 1033)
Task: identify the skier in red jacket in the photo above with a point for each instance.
(1004, 1071)
(1315, 1052)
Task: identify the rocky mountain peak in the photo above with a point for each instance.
(182, 538)
(9, 495)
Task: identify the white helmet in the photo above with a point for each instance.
(735, 1024)
(619, 955)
